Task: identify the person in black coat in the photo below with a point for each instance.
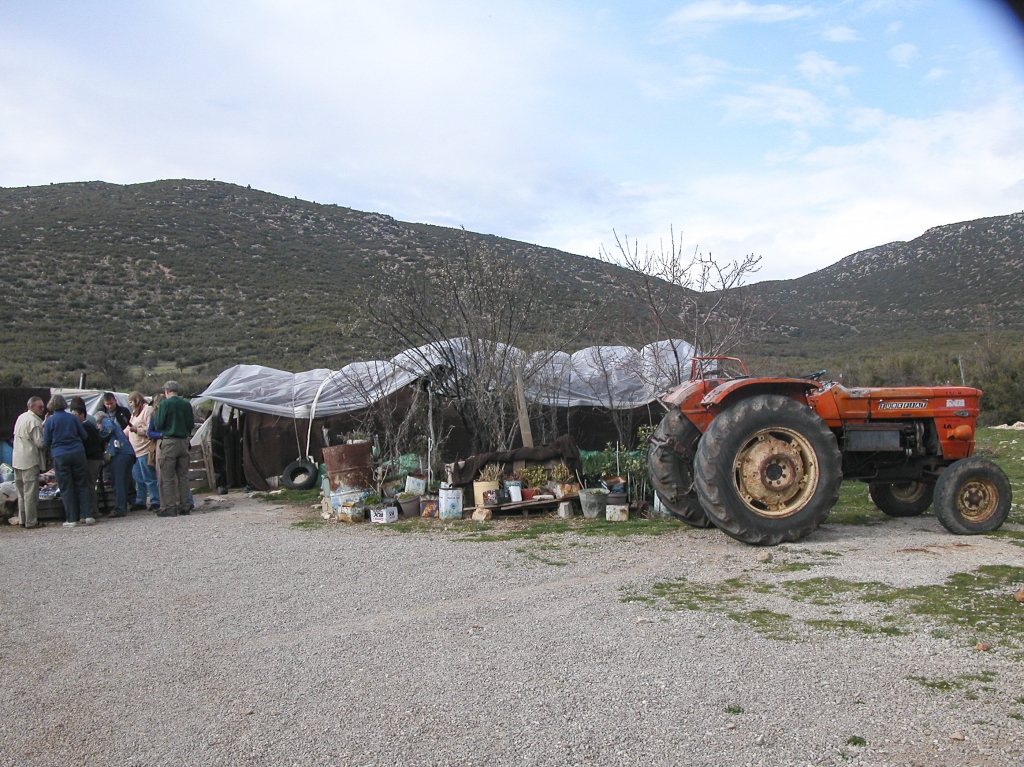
(121, 414)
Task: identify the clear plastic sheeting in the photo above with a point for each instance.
(613, 377)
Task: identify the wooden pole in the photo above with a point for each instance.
(524, 414)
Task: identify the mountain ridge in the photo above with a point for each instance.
(207, 274)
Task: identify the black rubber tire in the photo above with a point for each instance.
(966, 483)
(299, 475)
(902, 499)
(670, 464)
(735, 430)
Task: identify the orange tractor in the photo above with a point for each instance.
(762, 458)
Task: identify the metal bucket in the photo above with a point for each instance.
(593, 502)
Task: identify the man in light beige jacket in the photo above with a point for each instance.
(29, 459)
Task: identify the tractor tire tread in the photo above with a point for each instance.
(713, 471)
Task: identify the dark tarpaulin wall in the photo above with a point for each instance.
(268, 442)
(13, 400)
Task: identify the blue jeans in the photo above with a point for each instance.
(73, 480)
(145, 482)
(120, 468)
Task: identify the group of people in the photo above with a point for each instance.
(147, 444)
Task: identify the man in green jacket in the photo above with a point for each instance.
(174, 421)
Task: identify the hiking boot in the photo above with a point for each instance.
(167, 513)
(138, 507)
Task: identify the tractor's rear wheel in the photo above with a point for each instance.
(670, 461)
(768, 470)
(972, 496)
(902, 499)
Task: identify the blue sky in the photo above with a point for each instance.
(801, 132)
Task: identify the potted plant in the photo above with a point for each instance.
(562, 481)
(533, 479)
(490, 480)
(409, 503)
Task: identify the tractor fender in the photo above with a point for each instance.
(728, 392)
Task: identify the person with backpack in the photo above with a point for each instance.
(122, 458)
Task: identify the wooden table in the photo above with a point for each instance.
(524, 506)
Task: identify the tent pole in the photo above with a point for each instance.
(430, 435)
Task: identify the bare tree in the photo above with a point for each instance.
(694, 297)
(103, 359)
(391, 420)
(472, 318)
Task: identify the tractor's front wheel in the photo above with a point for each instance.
(670, 461)
(768, 470)
(972, 496)
(902, 499)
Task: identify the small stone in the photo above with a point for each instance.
(250, 712)
(482, 514)
(730, 726)
(759, 740)
(957, 736)
(981, 647)
(765, 557)
(1019, 595)
(644, 620)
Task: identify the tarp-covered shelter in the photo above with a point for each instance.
(277, 413)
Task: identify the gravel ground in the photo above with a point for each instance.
(231, 637)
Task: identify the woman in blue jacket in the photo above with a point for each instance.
(64, 435)
(122, 458)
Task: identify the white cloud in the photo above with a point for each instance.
(775, 103)
(724, 12)
(936, 73)
(894, 27)
(839, 34)
(909, 175)
(903, 54)
(820, 70)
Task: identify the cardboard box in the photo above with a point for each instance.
(384, 516)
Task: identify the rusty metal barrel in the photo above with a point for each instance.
(349, 467)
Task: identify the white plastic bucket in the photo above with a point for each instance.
(449, 503)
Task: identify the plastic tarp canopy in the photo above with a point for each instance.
(93, 398)
(614, 377)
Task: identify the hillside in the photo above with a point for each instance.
(952, 279)
(209, 274)
(204, 274)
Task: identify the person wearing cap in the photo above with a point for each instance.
(28, 460)
(174, 420)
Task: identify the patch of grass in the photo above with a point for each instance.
(1019, 700)
(683, 594)
(792, 567)
(1016, 537)
(734, 709)
(825, 591)
(1015, 715)
(854, 507)
(772, 624)
(856, 740)
(854, 625)
(510, 530)
(311, 522)
(292, 497)
(940, 685)
(983, 676)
